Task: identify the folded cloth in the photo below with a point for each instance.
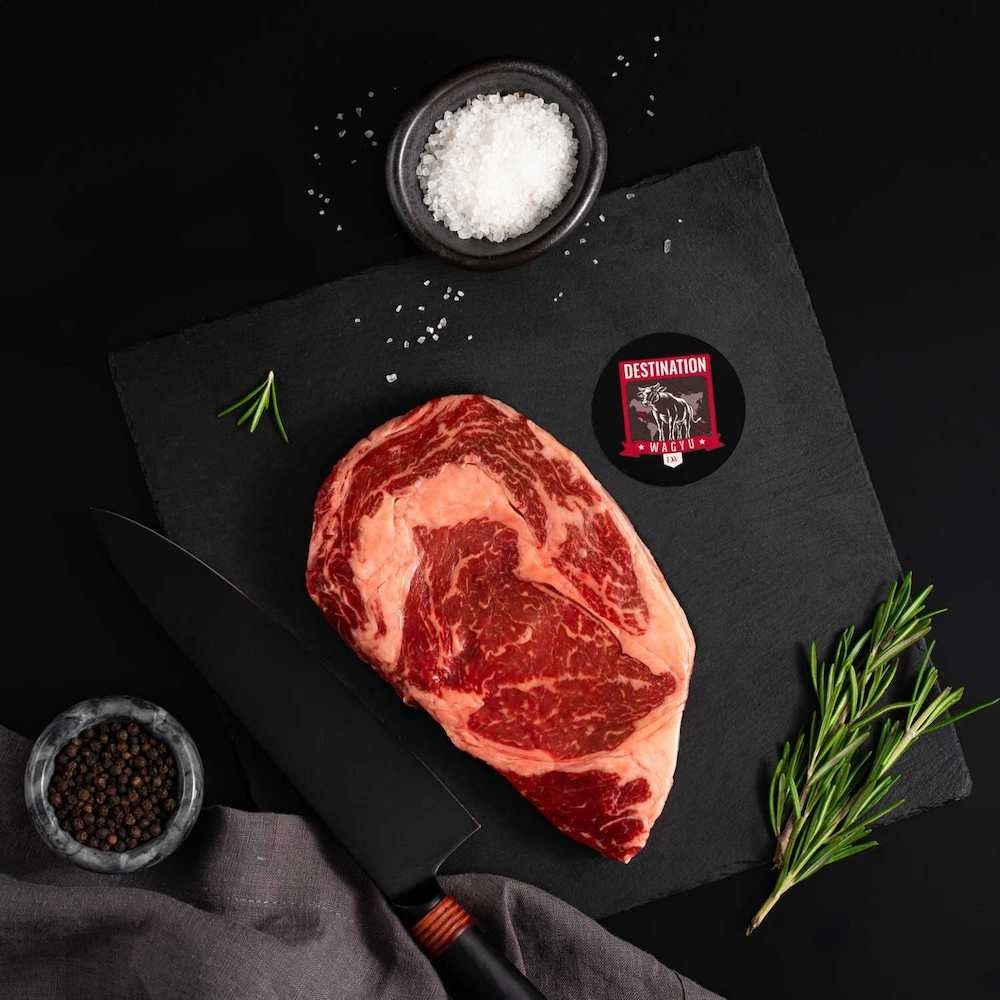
(259, 905)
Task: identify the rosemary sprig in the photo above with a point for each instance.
(829, 786)
(260, 399)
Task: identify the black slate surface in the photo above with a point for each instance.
(784, 543)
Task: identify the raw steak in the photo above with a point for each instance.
(476, 563)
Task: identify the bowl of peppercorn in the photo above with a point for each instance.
(114, 784)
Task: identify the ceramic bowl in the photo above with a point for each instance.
(505, 76)
(71, 723)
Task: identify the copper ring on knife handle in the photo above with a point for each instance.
(435, 930)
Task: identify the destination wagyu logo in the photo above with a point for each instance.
(668, 406)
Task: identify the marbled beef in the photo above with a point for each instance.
(476, 563)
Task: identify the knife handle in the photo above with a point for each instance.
(469, 966)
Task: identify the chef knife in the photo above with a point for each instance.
(385, 806)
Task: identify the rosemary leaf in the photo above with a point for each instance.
(239, 402)
(261, 406)
(277, 413)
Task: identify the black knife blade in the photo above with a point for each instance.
(362, 782)
(390, 811)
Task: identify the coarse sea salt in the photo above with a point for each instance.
(498, 166)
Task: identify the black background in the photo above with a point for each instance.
(157, 172)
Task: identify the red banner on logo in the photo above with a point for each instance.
(674, 446)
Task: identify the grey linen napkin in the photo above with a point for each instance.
(259, 905)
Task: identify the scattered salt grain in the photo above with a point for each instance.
(498, 166)
(583, 239)
(469, 337)
(371, 93)
(357, 319)
(601, 217)
(565, 253)
(368, 133)
(339, 228)
(322, 211)
(311, 191)
(656, 38)
(680, 220)
(340, 116)
(374, 142)
(406, 343)
(652, 97)
(421, 339)
(448, 289)
(427, 282)
(315, 156)
(446, 296)
(655, 54)
(342, 133)
(357, 111)
(613, 75)
(621, 58)
(595, 260)
(391, 377)
(388, 340)
(353, 162)
(666, 246)
(429, 329)
(435, 337)
(630, 195)
(399, 308)
(650, 113)
(326, 201)
(315, 128)
(586, 225)
(442, 323)
(460, 294)
(627, 65)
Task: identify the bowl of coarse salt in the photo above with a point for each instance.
(497, 164)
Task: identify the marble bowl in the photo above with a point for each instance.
(72, 722)
(504, 76)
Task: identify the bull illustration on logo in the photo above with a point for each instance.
(673, 415)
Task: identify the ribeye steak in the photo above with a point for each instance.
(476, 563)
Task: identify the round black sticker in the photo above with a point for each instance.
(668, 409)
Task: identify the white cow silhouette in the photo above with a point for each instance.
(672, 415)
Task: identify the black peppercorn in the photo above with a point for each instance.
(114, 786)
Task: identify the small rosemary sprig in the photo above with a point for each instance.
(827, 790)
(264, 397)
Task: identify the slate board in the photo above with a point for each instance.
(784, 543)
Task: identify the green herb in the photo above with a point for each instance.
(264, 397)
(829, 786)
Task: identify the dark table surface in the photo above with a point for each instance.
(157, 176)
